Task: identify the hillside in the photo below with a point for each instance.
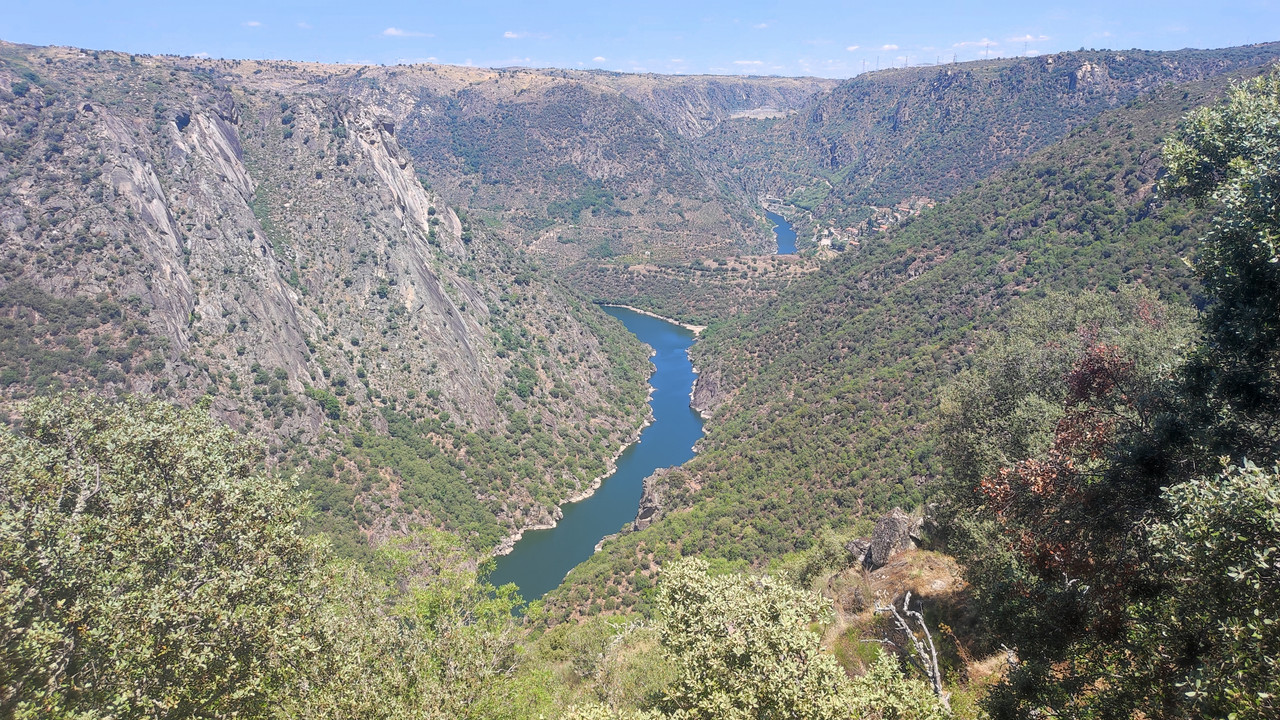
(694, 105)
(590, 173)
(571, 165)
(177, 232)
(886, 137)
(336, 256)
(822, 398)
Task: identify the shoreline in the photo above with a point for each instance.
(508, 543)
(695, 329)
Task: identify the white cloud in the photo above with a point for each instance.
(748, 62)
(760, 26)
(889, 47)
(1032, 53)
(251, 23)
(397, 32)
(304, 25)
(676, 60)
(984, 42)
(512, 35)
(851, 48)
(1029, 38)
(201, 55)
(598, 58)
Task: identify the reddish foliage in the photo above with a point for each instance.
(1101, 370)
(1047, 502)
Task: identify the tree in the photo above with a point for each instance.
(1057, 446)
(147, 567)
(743, 648)
(1132, 580)
(416, 634)
(1229, 156)
(1209, 646)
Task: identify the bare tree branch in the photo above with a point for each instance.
(925, 652)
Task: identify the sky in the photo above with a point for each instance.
(829, 39)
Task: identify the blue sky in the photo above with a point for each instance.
(833, 39)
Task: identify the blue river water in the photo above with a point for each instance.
(542, 558)
(786, 235)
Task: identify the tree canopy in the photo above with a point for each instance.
(1103, 492)
(148, 567)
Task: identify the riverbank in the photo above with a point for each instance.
(541, 559)
(611, 466)
(695, 329)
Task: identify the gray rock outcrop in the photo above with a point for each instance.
(650, 501)
(894, 533)
(858, 549)
(706, 396)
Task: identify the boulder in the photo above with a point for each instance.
(894, 533)
(858, 550)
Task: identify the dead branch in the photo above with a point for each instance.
(924, 653)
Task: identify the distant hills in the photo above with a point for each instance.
(881, 138)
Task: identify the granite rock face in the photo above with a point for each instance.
(706, 395)
(258, 235)
(650, 500)
(894, 533)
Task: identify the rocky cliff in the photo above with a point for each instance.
(198, 233)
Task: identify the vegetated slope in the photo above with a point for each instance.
(824, 396)
(693, 105)
(700, 291)
(591, 172)
(576, 165)
(881, 138)
(194, 233)
(570, 159)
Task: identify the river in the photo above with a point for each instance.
(541, 559)
(784, 232)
